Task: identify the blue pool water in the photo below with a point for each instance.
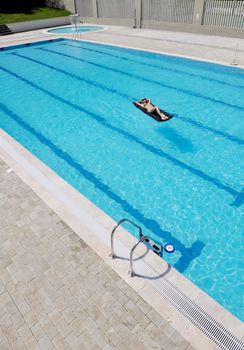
(71, 30)
(70, 104)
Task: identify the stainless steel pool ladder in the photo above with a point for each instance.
(141, 240)
(75, 22)
(115, 228)
(150, 244)
(76, 35)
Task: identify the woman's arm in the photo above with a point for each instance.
(138, 103)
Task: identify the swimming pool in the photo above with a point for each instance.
(71, 29)
(70, 104)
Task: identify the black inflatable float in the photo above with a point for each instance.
(154, 115)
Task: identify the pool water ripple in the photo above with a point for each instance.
(180, 180)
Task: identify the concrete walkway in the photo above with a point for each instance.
(56, 293)
(206, 47)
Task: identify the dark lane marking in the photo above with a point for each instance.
(87, 81)
(209, 128)
(239, 199)
(155, 66)
(187, 253)
(131, 137)
(130, 75)
(131, 98)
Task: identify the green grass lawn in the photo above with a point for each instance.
(35, 13)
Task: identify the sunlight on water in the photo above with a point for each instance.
(70, 104)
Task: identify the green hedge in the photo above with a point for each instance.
(33, 14)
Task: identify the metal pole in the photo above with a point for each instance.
(75, 6)
(198, 12)
(234, 62)
(134, 26)
(137, 13)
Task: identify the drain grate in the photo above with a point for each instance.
(200, 318)
(193, 312)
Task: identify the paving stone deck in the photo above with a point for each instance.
(56, 293)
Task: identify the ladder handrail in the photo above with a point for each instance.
(143, 238)
(115, 228)
(150, 243)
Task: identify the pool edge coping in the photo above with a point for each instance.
(68, 37)
(193, 58)
(181, 324)
(47, 30)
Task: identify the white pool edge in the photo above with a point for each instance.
(48, 30)
(68, 37)
(166, 53)
(195, 58)
(94, 227)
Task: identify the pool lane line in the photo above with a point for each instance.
(74, 76)
(154, 65)
(131, 98)
(135, 76)
(101, 120)
(187, 253)
(199, 125)
(239, 199)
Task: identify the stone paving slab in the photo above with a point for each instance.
(56, 293)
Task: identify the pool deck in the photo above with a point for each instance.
(197, 46)
(60, 289)
(57, 293)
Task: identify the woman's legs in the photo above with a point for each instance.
(162, 116)
(154, 109)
